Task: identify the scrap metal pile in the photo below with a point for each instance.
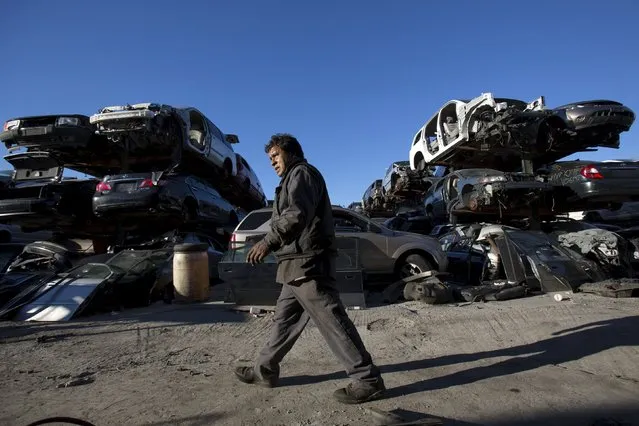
(158, 176)
(495, 164)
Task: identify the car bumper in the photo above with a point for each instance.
(612, 190)
(45, 134)
(520, 186)
(620, 117)
(125, 203)
(15, 208)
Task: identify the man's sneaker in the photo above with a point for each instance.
(247, 375)
(356, 393)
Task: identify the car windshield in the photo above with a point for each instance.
(98, 271)
(255, 220)
(137, 261)
(361, 217)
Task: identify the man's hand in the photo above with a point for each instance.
(257, 253)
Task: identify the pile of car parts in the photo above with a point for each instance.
(158, 176)
(152, 166)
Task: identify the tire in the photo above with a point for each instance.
(412, 265)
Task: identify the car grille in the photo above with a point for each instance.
(37, 122)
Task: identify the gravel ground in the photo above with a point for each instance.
(520, 362)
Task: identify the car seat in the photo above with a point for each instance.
(196, 137)
(451, 128)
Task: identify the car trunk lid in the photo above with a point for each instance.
(130, 182)
(37, 165)
(611, 170)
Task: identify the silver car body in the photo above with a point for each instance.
(380, 248)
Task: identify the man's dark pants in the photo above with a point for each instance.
(315, 299)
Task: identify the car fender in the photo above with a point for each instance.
(432, 248)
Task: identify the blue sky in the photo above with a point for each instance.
(353, 80)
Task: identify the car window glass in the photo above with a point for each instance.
(417, 137)
(92, 270)
(389, 170)
(448, 239)
(215, 131)
(237, 253)
(254, 220)
(346, 223)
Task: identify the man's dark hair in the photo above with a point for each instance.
(287, 143)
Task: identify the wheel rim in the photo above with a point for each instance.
(409, 269)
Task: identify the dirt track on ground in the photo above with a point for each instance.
(528, 361)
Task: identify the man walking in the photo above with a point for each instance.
(302, 236)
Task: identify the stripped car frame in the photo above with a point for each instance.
(153, 132)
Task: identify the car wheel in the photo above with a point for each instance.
(414, 264)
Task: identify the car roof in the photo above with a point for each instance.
(334, 207)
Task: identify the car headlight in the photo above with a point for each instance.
(67, 121)
(10, 125)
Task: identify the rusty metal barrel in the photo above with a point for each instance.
(191, 272)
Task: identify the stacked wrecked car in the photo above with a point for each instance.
(486, 177)
(156, 176)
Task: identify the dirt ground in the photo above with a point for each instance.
(521, 362)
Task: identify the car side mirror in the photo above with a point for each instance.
(232, 139)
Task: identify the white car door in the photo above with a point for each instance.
(220, 148)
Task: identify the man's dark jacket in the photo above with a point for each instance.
(302, 222)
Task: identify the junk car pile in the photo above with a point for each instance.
(485, 176)
(159, 176)
(479, 211)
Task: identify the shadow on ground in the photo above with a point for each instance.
(201, 420)
(603, 416)
(564, 346)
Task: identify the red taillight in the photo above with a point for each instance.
(103, 187)
(232, 241)
(590, 172)
(146, 183)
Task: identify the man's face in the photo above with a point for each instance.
(279, 160)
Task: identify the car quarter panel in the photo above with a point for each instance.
(427, 245)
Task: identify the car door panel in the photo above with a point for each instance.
(373, 247)
(439, 201)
